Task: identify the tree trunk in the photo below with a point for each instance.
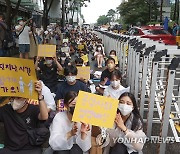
(10, 14)
(44, 15)
(175, 10)
(161, 10)
(177, 19)
(63, 14)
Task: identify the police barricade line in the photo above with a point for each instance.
(156, 75)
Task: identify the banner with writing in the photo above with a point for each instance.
(95, 110)
(45, 50)
(17, 77)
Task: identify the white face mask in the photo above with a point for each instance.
(49, 62)
(18, 104)
(112, 55)
(71, 78)
(63, 58)
(99, 49)
(21, 22)
(125, 109)
(115, 83)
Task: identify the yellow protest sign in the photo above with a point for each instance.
(85, 58)
(126, 49)
(81, 46)
(45, 50)
(83, 72)
(17, 77)
(95, 109)
(116, 59)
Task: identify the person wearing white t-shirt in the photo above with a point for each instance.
(24, 40)
(67, 136)
(115, 89)
(48, 97)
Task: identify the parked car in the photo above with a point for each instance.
(155, 33)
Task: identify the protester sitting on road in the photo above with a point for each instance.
(114, 90)
(129, 126)
(48, 72)
(71, 84)
(24, 40)
(79, 62)
(16, 136)
(113, 55)
(67, 136)
(106, 75)
(99, 56)
(65, 48)
(64, 61)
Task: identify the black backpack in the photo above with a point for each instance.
(8, 37)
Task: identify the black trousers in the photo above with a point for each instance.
(33, 151)
(74, 150)
(120, 148)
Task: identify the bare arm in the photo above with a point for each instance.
(36, 64)
(60, 68)
(43, 115)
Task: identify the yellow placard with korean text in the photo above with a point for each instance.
(17, 77)
(83, 72)
(95, 110)
(45, 50)
(85, 58)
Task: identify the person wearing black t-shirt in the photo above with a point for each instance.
(64, 61)
(71, 84)
(16, 136)
(106, 75)
(48, 72)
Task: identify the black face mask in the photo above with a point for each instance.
(71, 110)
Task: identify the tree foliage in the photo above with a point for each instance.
(103, 20)
(111, 14)
(135, 11)
(10, 13)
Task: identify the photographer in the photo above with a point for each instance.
(23, 32)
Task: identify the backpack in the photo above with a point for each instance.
(8, 37)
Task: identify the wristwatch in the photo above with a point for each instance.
(40, 99)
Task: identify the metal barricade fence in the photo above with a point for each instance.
(152, 71)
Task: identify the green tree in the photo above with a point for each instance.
(134, 11)
(46, 11)
(111, 14)
(103, 20)
(176, 11)
(74, 5)
(10, 13)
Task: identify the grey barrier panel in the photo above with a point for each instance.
(167, 104)
(153, 84)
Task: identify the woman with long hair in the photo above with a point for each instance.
(127, 136)
(99, 55)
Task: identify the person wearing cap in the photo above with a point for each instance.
(23, 32)
(16, 137)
